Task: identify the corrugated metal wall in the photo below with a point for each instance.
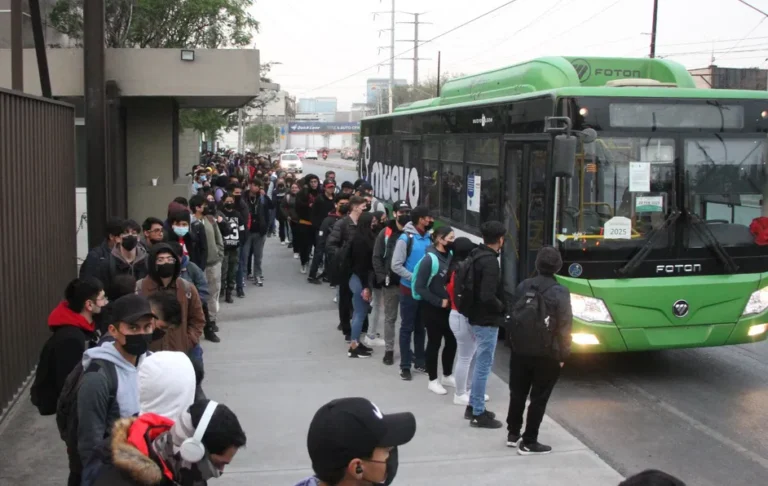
(37, 227)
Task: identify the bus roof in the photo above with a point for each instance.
(570, 76)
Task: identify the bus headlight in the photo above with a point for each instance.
(590, 309)
(757, 329)
(757, 303)
(585, 339)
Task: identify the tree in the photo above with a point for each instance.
(425, 90)
(179, 24)
(207, 121)
(261, 136)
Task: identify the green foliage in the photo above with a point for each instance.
(425, 90)
(208, 121)
(262, 137)
(164, 23)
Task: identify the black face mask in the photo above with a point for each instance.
(129, 242)
(281, 186)
(237, 198)
(449, 246)
(403, 219)
(393, 461)
(429, 226)
(158, 334)
(211, 209)
(137, 344)
(229, 206)
(166, 270)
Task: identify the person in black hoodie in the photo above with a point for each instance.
(322, 235)
(127, 257)
(305, 202)
(361, 281)
(278, 194)
(486, 314)
(259, 207)
(90, 267)
(233, 241)
(191, 244)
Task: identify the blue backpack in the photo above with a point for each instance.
(435, 268)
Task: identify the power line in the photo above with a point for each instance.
(672, 54)
(753, 7)
(748, 33)
(411, 49)
(597, 14)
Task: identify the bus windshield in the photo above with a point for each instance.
(622, 187)
(625, 187)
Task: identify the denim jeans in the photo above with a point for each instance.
(486, 337)
(466, 347)
(359, 305)
(254, 243)
(411, 325)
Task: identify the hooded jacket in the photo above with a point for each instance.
(488, 307)
(306, 198)
(557, 299)
(288, 207)
(403, 263)
(322, 206)
(72, 335)
(95, 413)
(259, 209)
(382, 255)
(325, 230)
(433, 292)
(92, 263)
(117, 265)
(187, 335)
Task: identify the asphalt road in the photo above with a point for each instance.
(345, 169)
(699, 414)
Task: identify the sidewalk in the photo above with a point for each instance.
(280, 359)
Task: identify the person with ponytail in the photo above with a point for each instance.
(430, 278)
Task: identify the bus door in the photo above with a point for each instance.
(525, 168)
(410, 157)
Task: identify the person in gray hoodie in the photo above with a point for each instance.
(97, 411)
(429, 287)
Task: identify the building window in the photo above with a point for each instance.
(483, 195)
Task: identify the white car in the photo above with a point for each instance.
(310, 154)
(291, 163)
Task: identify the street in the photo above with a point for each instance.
(345, 169)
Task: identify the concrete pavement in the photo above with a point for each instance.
(280, 359)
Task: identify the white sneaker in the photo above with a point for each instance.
(303, 269)
(295, 256)
(335, 300)
(462, 400)
(435, 387)
(449, 381)
(374, 342)
(282, 243)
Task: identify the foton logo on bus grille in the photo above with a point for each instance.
(679, 268)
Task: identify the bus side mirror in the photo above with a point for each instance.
(564, 156)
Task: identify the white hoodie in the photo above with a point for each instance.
(166, 384)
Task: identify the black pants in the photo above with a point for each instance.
(435, 319)
(534, 376)
(317, 258)
(75, 467)
(296, 232)
(283, 223)
(229, 269)
(345, 307)
(306, 242)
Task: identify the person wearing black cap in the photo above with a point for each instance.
(388, 279)
(347, 188)
(534, 368)
(350, 442)
(100, 401)
(365, 190)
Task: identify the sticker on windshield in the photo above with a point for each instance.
(639, 177)
(575, 270)
(618, 228)
(649, 204)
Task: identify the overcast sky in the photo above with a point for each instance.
(320, 42)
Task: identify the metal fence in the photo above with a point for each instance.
(37, 227)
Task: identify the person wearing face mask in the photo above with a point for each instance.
(278, 195)
(351, 443)
(305, 203)
(372, 336)
(92, 263)
(429, 285)
(259, 207)
(192, 274)
(361, 281)
(322, 238)
(164, 272)
(233, 241)
(100, 402)
(324, 205)
(288, 209)
(127, 257)
(386, 278)
(187, 234)
(411, 247)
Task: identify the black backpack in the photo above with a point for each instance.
(464, 283)
(43, 391)
(66, 409)
(530, 328)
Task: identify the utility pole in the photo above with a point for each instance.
(653, 29)
(416, 22)
(392, 60)
(438, 73)
(240, 129)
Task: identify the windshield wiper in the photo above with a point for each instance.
(629, 268)
(711, 242)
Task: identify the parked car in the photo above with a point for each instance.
(291, 163)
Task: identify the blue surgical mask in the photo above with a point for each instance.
(203, 178)
(181, 230)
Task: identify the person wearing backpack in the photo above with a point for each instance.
(340, 238)
(429, 279)
(411, 246)
(389, 280)
(460, 327)
(486, 311)
(540, 333)
(105, 387)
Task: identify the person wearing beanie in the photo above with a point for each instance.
(539, 349)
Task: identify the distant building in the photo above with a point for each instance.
(376, 88)
(730, 78)
(51, 35)
(317, 105)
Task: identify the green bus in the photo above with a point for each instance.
(652, 189)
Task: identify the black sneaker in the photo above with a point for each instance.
(405, 374)
(315, 281)
(249, 276)
(513, 439)
(290, 245)
(420, 369)
(533, 449)
(468, 413)
(485, 420)
(241, 293)
(347, 338)
(358, 352)
(361, 345)
(210, 335)
(389, 358)
(338, 328)
(214, 327)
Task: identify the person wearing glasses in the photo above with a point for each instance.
(153, 232)
(164, 271)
